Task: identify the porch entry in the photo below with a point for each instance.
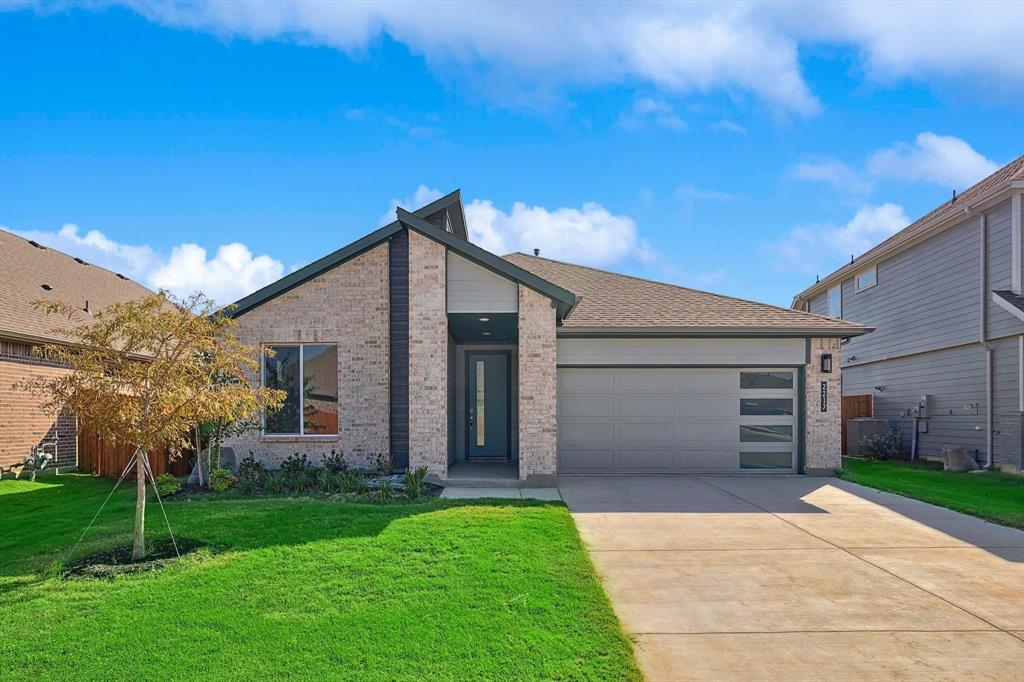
(488, 403)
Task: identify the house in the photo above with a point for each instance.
(415, 344)
(31, 272)
(944, 295)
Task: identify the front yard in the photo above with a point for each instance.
(992, 495)
(304, 588)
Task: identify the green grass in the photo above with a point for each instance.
(993, 496)
(305, 588)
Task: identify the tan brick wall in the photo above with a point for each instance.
(347, 305)
(23, 423)
(428, 356)
(823, 435)
(538, 385)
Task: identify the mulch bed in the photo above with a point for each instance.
(118, 560)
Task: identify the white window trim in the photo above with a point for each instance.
(856, 280)
(302, 373)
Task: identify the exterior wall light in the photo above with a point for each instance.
(826, 363)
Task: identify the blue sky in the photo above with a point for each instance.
(739, 148)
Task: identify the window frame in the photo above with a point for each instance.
(838, 288)
(856, 279)
(302, 373)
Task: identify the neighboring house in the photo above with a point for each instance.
(944, 297)
(31, 272)
(416, 344)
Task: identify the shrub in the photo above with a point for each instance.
(247, 486)
(888, 445)
(221, 480)
(296, 472)
(249, 469)
(385, 465)
(325, 480)
(275, 482)
(167, 485)
(335, 462)
(385, 490)
(414, 482)
(352, 481)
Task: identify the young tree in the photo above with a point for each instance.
(147, 371)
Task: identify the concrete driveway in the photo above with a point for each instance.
(759, 578)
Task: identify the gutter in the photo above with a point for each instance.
(718, 332)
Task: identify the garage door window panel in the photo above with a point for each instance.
(766, 460)
(766, 380)
(766, 407)
(766, 433)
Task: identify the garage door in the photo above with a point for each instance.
(619, 420)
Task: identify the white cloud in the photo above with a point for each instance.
(690, 193)
(231, 274)
(421, 197)
(940, 159)
(590, 235)
(819, 248)
(728, 126)
(833, 172)
(646, 109)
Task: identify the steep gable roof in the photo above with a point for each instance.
(1003, 179)
(25, 267)
(615, 304)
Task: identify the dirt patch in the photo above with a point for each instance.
(118, 560)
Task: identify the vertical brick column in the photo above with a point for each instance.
(428, 356)
(538, 385)
(823, 432)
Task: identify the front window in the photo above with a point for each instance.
(867, 279)
(308, 374)
(835, 301)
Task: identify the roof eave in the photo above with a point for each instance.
(721, 332)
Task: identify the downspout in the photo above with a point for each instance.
(982, 325)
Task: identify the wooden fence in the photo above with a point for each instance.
(855, 406)
(96, 456)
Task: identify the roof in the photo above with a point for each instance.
(26, 266)
(449, 205)
(615, 304)
(1012, 302)
(1003, 179)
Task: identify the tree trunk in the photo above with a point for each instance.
(139, 541)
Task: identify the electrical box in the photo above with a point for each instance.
(924, 406)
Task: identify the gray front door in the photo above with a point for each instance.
(487, 403)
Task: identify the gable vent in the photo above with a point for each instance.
(36, 244)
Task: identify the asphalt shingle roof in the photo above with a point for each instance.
(611, 300)
(25, 268)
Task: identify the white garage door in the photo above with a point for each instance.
(620, 420)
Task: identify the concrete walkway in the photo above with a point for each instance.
(766, 578)
(546, 494)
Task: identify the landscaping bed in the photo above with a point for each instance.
(991, 495)
(303, 587)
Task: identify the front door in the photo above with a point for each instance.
(487, 404)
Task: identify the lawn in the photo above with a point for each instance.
(992, 495)
(305, 588)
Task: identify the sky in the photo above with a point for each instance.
(739, 148)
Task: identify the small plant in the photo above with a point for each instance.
(167, 485)
(276, 483)
(247, 486)
(414, 482)
(335, 462)
(296, 471)
(221, 480)
(385, 465)
(888, 445)
(325, 480)
(385, 490)
(249, 469)
(352, 481)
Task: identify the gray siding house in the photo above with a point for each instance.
(944, 297)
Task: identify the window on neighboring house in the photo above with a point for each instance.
(308, 374)
(867, 279)
(835, 301)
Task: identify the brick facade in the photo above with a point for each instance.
(347, 305)
(823, 433)
(538, 385)
(23, 423)
(428, 356)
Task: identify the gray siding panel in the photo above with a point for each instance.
(1006, 408)
(398, 275)
(1000, 270)
(819, 304)
(926, 298)
(954, 378)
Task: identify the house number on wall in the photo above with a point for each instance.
(824, 396)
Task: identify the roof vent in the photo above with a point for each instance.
(79, 260)
(87, 309)
(121, 276)
(36, 244)
(46, 287)
(536, 252)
